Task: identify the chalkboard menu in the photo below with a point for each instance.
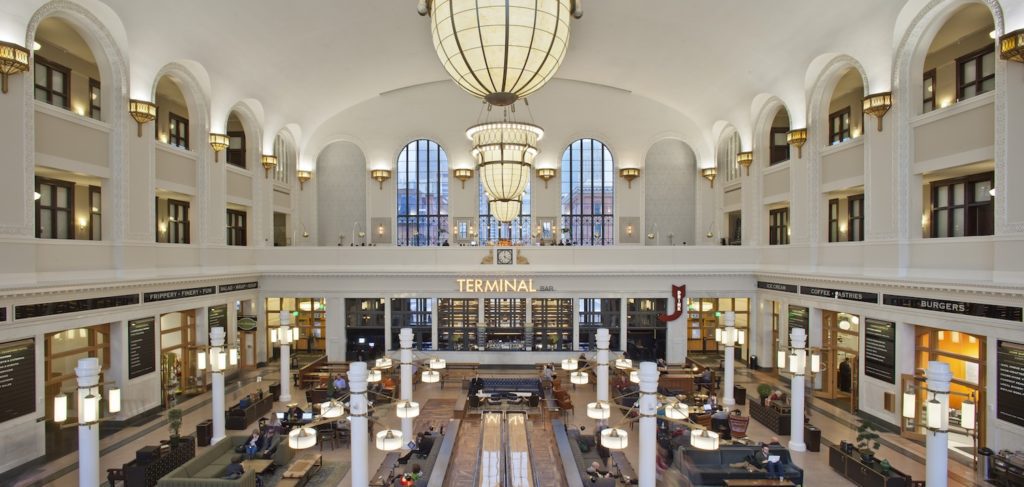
(798, 317)
(1010, 380)
(141, 347)
(217, 316)
(880, 350)
(17, 379)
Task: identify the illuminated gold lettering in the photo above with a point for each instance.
(530, 288)
(492, 286)
(478, 286)
(462, 285)
(497, 285)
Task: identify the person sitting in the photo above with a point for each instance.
(251, 445)
(424, 443)
(274, 424)
(245, 402)
(705, 378)
(271, 440)
(597, 471)
(234, 470)
(339, 385)
(762, 461)
(295, 413)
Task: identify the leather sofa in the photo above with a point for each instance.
(208, 468)
(703, 467)
(238, 418)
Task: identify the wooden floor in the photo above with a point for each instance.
(520, 473)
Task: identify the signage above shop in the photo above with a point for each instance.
(238, 286)
(998, 312)
(840, 294)
(498, 286)
(775, 286)
(679, 293)
(178, 294)
(24, 311)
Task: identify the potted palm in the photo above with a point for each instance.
(174, 424)
(867, 440)
(764, 390)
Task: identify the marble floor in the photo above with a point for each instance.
(836, 425)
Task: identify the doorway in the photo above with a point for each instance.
(280, 229)
(178, 374)
(840, 349)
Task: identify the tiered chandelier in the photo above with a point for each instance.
(502, 51)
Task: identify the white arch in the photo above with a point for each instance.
(763, 115)
(194, 83)
(822, 77)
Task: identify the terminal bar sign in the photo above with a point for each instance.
(496, 285)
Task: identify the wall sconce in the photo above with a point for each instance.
(218, 142)
(629, 229)
(83, 222)
(878, 105)
(142, 111)
(546, 173)
(797, 137)
(463, 174)
(303, 176)
(380, 229)
(1011, 46)
(745, 159)
(629, 174)
(709, 173)
(13, 60)
(269, 162)
(381, 175)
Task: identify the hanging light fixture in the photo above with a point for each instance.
(273, 335)
(389, 440)
(780, 360)
(500, 50)
(438, 363)
(90, 409)
(384, 363)
(331, 409)
(634, 376)
(201, 360)
(60, 408)
(677, 410)
(114, 400)
(599, 410)
(430, 376)
(704, 440)
(504, 154)
(933, 412)
(301, 438)
(570, 364)
(614, 438)
(505, 210)
(373, 376)
(233, 356)
(909, 402)
(968, 411)
(407, 409)
(623, 364)
(579, 378)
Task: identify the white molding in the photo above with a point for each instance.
(973, 103)
(843, 146)
(69, 116)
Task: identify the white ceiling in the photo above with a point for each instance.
(309, 61)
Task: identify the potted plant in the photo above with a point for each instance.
(174, 423)
(886, 467)
(764, 390)
(867, 440)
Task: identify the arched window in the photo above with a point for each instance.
(728, 168)
(422, 194)
(491, 230)
(588, 193)
(285, 160)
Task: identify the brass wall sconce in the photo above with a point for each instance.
(745, 159)
(1011, 46)
(269, 163)
(629, 174)
(13, 60)
(218, 142)
(381, 175)
(142, 111)
(463, 174)
(709, 173)
(545, 174)
(878, 105)
(797, 137)
(303, 176)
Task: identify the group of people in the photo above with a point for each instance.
(261, 444)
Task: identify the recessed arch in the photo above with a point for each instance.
(828, 71)
(588, 193)
(193, 83)
(670, 176)
(421, 181)
(341, 194)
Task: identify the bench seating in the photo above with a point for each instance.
(443, 458)
(208, 468)
(565, 451)
(239, 419)
(704, 467)
(773, 419)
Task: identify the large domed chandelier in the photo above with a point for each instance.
(504, 154)
(500, 50)
(505, 210)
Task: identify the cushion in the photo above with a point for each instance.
(211, 472)
(702, 458)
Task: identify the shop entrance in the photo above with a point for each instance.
(840, 345)
(178, 373)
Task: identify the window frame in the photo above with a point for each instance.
(54, 210)
(928, 102)
(855, 223)
(843, 134)
(969, 220)
(412, 217)
(778, 226)
(978, 77)
(181, 228)
(833, 220)
(239, 231)
(775, 151)
(95, 109)
(95, 228)
(573, 173)
(174, 135)
(52, 66)
(240, 153)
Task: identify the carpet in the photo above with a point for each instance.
(328, 475)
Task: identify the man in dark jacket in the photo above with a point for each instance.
(234, 469)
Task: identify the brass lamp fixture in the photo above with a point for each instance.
(629, 174)
(218, 142)
(878, 105)
(546, 173)
(745, 159)
(303, 175)
(13, 60)
(142, 111)
(797, 137)
(709, 173)
(505, 210)
(269, 162)
(381, 175)
(1011, 46)
(463, 174)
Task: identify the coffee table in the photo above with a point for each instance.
(259, 466)
(757, 483)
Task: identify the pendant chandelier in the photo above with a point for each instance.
(500, 50)
(505, 210)
(504, 153)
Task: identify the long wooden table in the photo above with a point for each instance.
(757, 483)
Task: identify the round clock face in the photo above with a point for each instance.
(504, 256)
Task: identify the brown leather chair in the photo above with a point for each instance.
(738, 426)
(556, 383)
(704, 420)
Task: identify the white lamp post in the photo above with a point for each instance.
(88, 372)
(648, 408)
(405, 392)
(360, 426)
(798, 366)
(603, 339)
(937, 442)
(285, 335)
(729, 340)
(217, 368)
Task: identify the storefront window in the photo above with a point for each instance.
(505, 319)
(599, 313)
(645, 333)
(364, 328)
(552, 324)
(457, 324)
(412, 313)
(63, 350)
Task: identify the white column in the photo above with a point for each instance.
(285, 338)
(405, 392)
(575, 323)
(648, 406)
(335, 329)
(937, 442)
(387, 326)
(360, 475)
(729, 337)
(623, 302)
(603, 338)
(216, 342)
(433, 324)
(88, 372)
(798, 339)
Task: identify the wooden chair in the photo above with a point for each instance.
(738, 426)
(328, 434)
(115, 474)
(704, 420)
(556, 383)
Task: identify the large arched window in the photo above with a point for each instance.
(491, 230)
(422, 194)
(588, 193)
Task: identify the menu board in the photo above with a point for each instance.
(798, 317)
(17, 379)
(1010, 380)
(217, 316)
(141, 347)
(880, 350)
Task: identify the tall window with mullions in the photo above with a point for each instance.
(598, 313)
(414, 313)
(588, 193)
(422, 194)
(491, 230)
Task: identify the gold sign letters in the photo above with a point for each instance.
(496, 285)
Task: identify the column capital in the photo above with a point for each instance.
(88, 372)
(217, 336)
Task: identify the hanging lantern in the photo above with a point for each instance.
(504, 154)
(331, 409)
(967, 414)
(909, 403)
(233, 356)
(220, 360)
(505, 210)
(780, 361)
(623, 364)
(718, 335)
(677, 410)
(430, 376)
(933, 412)
(273, 335)
(60, 408)
(579, 378)
(295, 334)
(201, 360)
(815, 362)
(407, 409)
(373, 375)
(741, 337)
(704, 440)
(438, 363)
(794, 366)
(114, 400)
(301, 438)
(570, 364)
(90, 409)
(500, 50)
(384, 363)
(599, 410)
(389, 440)
(634, 376)
(614, 438)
